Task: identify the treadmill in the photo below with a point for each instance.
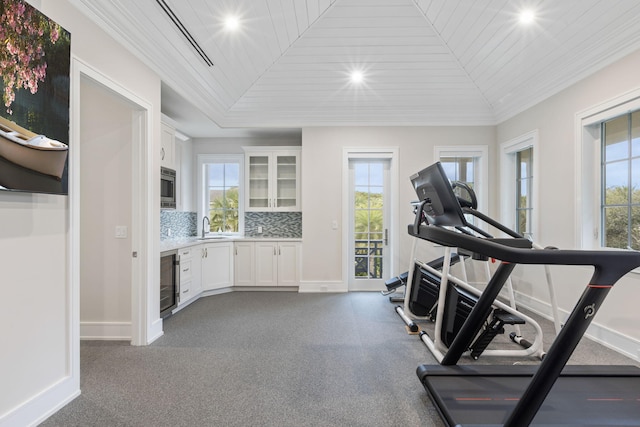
(516, 395)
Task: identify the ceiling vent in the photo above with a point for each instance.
(185, 32)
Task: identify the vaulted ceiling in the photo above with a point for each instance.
(423, 62)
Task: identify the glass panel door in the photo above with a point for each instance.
(259, 181)
(286, 181)
(369, 211)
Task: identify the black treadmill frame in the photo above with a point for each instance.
(609, 267)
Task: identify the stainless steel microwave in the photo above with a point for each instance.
(167, 188)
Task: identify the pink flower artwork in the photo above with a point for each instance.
(22, 59)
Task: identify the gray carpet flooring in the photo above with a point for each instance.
(267, 359)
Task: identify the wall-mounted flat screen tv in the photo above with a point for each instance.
(34, 116)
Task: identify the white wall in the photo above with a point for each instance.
(34, 249)
(558, 205)
(322, 151)
(39, 358)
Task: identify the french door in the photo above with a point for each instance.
(369, 212)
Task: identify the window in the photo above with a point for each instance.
(221, 193)
(608, 176)
(467, 164)
(518, 183)
(524, 184)
(620, 182)
(460, 168)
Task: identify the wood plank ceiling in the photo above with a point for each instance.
(424, 62)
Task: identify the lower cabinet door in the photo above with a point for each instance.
(217, 266)
(244, 264)
(266, 263)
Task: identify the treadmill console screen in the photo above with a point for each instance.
(442, 207)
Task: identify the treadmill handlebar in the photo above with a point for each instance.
(610, 265)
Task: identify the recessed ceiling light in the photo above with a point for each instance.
(357, 77)
(231, 23)
(527, 16)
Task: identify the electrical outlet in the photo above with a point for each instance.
(259, 229)
(168, 232)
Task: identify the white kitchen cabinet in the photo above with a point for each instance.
(168, 147)
(288, 263)
(272, 179)
(244, 264)
(266, 263)
(190, 281)
(277, 263)
(217, 265)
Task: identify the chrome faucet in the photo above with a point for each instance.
(208, 225)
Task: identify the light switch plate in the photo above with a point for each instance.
(121, 231)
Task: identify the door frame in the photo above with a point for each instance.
(391, 154)
(144, 327)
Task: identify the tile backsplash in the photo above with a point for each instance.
(274, 224)
(176, 224)
(284, 225)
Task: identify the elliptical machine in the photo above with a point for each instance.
(432, 293)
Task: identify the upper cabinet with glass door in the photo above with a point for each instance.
(272, 179)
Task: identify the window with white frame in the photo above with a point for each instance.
(220, 193)
(518, 183)
(608, 175)
(524, 188)
(468, 164)
(620, 182)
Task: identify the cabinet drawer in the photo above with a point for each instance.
(185, 291)
(185, 253)
(185, 270)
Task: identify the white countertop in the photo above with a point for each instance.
(171, 244)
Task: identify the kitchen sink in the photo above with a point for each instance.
(215, 237)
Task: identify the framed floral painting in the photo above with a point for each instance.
(34, 116)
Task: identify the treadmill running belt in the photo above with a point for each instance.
(583, 395)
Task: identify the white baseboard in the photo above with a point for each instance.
(108, 331)
(265, 289)
(155, 331)
(43, 405)
(319, 287)
(215, 292)
(609, 338)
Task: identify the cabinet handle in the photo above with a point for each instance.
(186, 292)
(274, 251)
(185, 270)
(279, 251)
(386, 237)
(162, 153)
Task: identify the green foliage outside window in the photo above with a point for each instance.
(223, 212)
(621, 221)
(368, 229)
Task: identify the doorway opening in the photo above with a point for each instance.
(111, 242)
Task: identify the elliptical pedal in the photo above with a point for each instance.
(499, 319)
